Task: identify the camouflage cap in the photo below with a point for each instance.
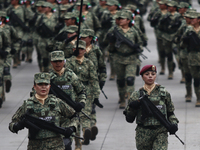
(3, 14)
(131, 7)
(70, 15)
(187, 13)
(117, 14)
(172, 3)
(112, 2)
(39, 3)
(85, 2)
(72, 29)
(163, 2)
(183, 5)
(81, 44)
(194, 15)
(87, 32)
(57, 55)
(126, 14)
(42, 78)
(47, 4)
(64, 7)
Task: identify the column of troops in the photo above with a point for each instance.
(74, 64)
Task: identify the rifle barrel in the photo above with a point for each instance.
(179, 139)
(104, 94)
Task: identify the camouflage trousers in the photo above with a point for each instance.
(55, 143)
(1, 85)
(151, 139)
(125, 78)
(195, 72)
(166, 52)
(188, 76)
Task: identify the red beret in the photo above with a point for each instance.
(148, 68)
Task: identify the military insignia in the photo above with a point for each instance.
(153, 68)
(42, 75)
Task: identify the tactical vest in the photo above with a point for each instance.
(159, 101)
(65, 82)
(49, 112)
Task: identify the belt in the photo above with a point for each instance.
(150, 127)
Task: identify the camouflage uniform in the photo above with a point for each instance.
(85, 70)
(98, 10)
(50, 22)
(90, 20)
(67, 80)
(44, 139)
(19, 12)
(125, 59)
(5, 44)
(150, 133)
(167, 35)
(193, 56)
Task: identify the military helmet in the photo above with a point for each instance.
(126, 14)
(183, 5)
(81, 44)
(42, 78)
(172, 3)
(57, 55)
(87, 32)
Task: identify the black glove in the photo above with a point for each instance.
(19, 125)
(96, 101)
(101, 84)
(3, 53)
(69, 131)
(173, 128)
(59, 26)
(79, 107)
(111, 38)
(144, 43)
(186, 40)
(129, 119)
(135, 104)
(61, 37)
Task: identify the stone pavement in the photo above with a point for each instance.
(114, 132)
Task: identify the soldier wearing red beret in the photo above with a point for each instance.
(150, 132)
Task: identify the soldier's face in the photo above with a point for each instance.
(64, 1)
(58, 65)
(123, 21)
(171, 9)
(87, 40)
(182, 10)
(83, 9)
(102, 3)
(149, 77)
(188, 20)
(194, 21)
(112, 8)
(69, 22)
(51, 1)
(81, 52)
(162, 6)
(14, 2)
(39, 9)
(42, 89)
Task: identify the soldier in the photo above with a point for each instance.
(98, 9)
(67, 80)
(150, 132)
(86, 71)
(16, 13)
(125, 57)
(45, 27)
(167, 33)
(89, 20)
(190, 40)
(39, 107)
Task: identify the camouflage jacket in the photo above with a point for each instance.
(91, 22)
(124, 53)
(161, 98)
(96, 56)
(53, 110)
(70, 84)
(86, 73)
(98, 10)
(193, 50)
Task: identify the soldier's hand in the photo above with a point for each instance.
(135, 104)
(69, 131)
(96, 101)
(173, 129)
(19, 125)
(101, 84)
(79, 107)
(129, 119)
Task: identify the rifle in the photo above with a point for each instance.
(37, 124)
(17, 21)
(43, 30)
(104, 94)
(152, 110)
(194, 39)
(55, 90)
(122, 39)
